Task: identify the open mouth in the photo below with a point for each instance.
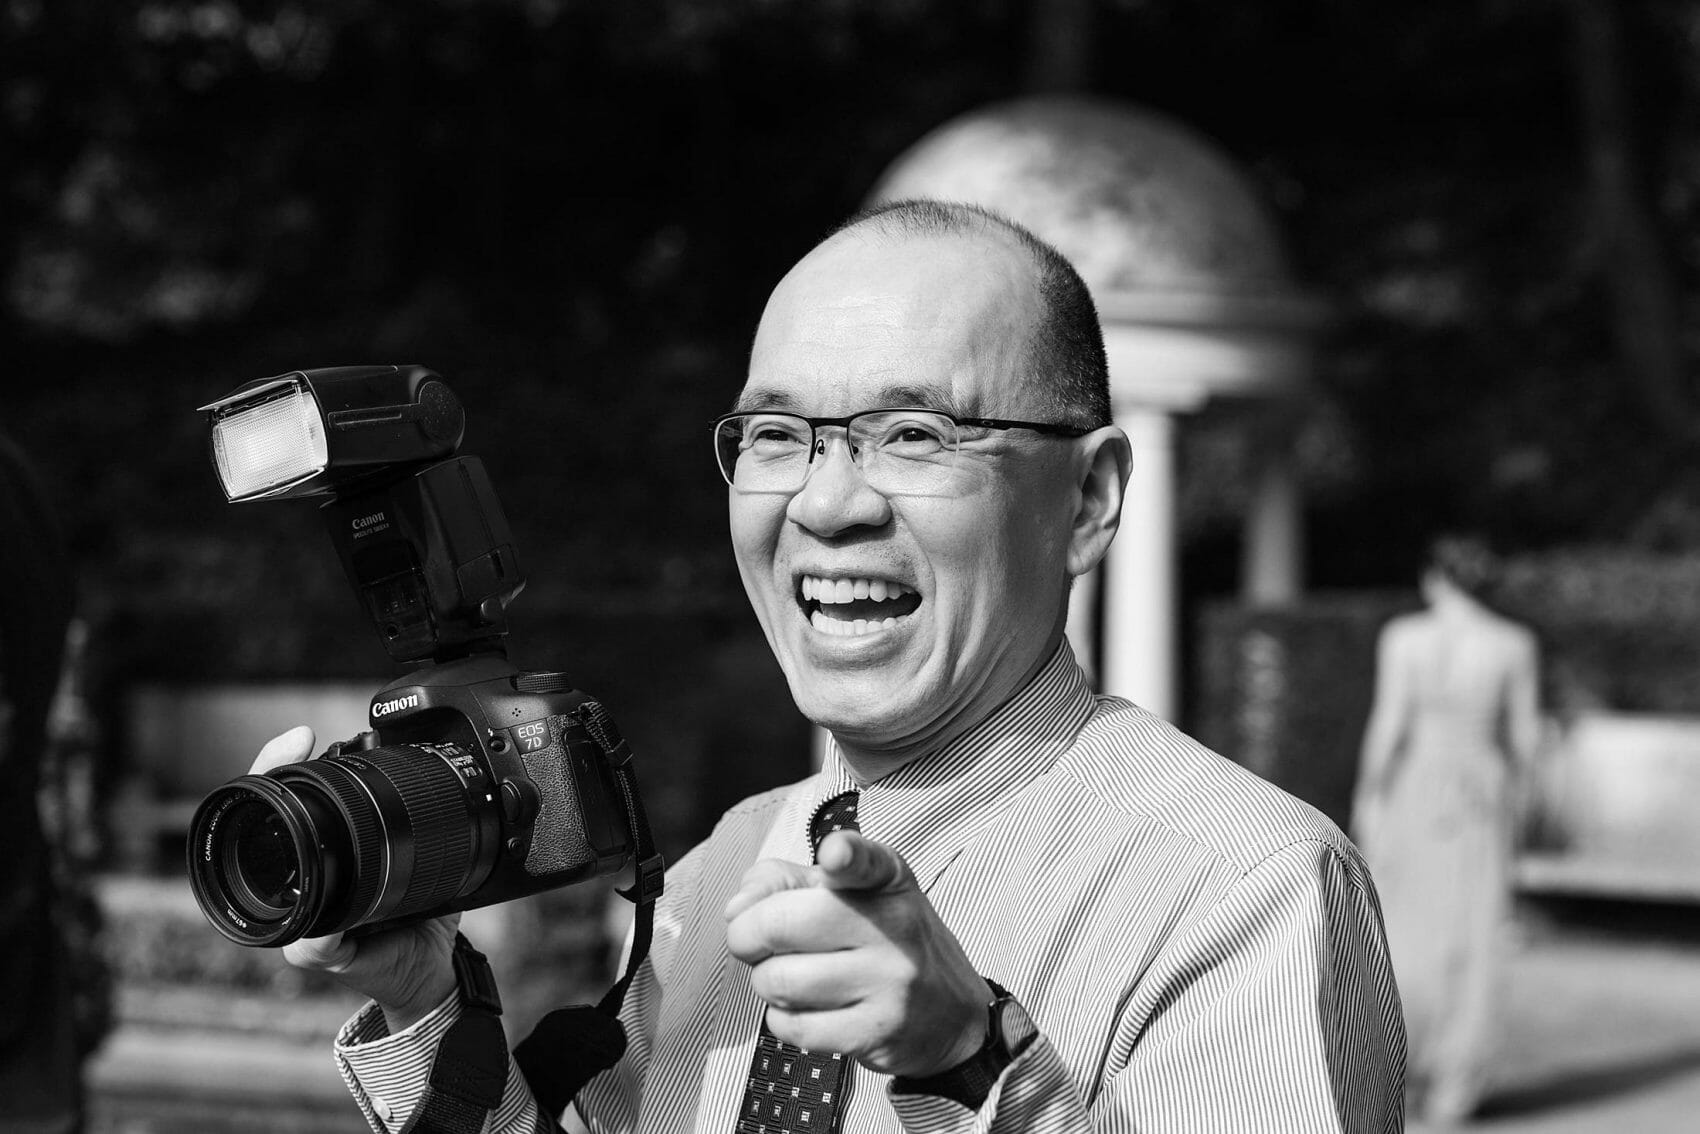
(851, 606)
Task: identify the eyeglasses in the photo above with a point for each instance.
(900, 451)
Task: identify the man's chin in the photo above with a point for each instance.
(860, 710)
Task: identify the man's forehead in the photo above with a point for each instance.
(833, 397)
(939, 322)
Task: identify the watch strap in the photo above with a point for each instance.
(970, 1083)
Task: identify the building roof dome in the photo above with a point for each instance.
(1159, 221)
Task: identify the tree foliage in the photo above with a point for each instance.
(576, 207)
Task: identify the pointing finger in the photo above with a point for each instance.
(290, 747)
(767, 877)
(850, 860)
(811, 919)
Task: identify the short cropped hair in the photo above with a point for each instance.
(1067, 348)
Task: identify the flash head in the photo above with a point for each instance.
(314, 432)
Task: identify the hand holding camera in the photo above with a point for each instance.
(407, 971)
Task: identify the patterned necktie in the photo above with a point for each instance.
(792, 1091)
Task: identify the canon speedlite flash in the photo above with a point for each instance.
(419, 530)
(315, 431)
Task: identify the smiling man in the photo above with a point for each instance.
(1004, 903)
(971, 530)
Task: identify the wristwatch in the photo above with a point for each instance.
(1008, 1034)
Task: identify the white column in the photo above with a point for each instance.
(1272, 562)
(1139, 574)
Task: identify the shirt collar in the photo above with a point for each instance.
(932, 807)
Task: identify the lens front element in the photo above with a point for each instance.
(260, 864)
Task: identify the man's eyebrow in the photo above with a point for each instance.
(925, 396)
(760, 399)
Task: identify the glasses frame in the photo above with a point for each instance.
(815, 425)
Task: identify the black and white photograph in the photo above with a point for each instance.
(849, 566)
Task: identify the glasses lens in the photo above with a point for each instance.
(905, 451)
(764, 452)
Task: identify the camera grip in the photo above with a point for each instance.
(558, 841)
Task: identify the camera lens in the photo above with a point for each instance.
(338, 843)
(264, 858)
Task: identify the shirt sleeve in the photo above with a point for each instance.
(387, 1074)
(1275, 1011)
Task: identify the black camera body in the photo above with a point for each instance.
(477, 783)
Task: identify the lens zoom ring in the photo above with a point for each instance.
(439, 807)
(367, 833)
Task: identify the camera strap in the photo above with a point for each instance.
(571, 1045)
(471, 1068)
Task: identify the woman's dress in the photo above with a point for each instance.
(1439, 846)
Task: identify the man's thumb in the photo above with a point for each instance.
(331, 954)
(848, 860)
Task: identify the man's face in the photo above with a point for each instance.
(974, 577)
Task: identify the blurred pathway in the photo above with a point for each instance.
(1603, 1037)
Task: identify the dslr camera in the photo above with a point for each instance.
(477, 783)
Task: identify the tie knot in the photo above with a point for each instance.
(836, 814)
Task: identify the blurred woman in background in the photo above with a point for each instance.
(1453, 723)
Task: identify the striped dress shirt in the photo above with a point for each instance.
(1198, 950)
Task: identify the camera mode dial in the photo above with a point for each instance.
(543, 683)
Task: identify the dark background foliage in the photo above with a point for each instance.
(575, 208)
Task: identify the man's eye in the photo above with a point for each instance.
(912, 437)
(770, 437)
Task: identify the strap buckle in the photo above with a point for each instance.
(472, 974)
(597, 721)
(649, 881)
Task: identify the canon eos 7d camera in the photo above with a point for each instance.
(478, 783)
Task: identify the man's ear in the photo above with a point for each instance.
(1105, 459)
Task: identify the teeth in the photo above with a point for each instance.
(845, 629)
(816, 589)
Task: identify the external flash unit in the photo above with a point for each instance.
(310, 433)
(419, 530)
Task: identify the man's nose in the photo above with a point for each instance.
(836, 496)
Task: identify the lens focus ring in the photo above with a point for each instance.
(439, 807)
(366, 834)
